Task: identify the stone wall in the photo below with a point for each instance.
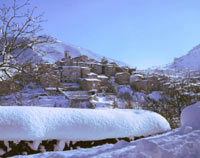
(122, 78)
(89, 84)
(109, 70)
(84, 71)
(97, 68)
(71, 73)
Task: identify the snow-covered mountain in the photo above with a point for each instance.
(55, 52)
(190, 61)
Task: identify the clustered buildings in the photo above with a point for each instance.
(80, 77)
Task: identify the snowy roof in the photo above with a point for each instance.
(91, 73)
(92, 79)
(79, 97)
(137, 75)
(75, 93)
(102, 76)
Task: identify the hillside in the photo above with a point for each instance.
(55, 52)
(189, 61)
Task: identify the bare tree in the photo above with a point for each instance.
(19, 32)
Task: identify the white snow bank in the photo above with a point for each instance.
(170, 145)
(180, 143)
(190, 116)
(40, 123)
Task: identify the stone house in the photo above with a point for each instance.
(96, 68)
(103, 79)
(109, 70)
(125, 69)
(82, 58)
(70, 73)
(49, 80)
(103, 83)
(88, 84)
(84, 72)
(122, 78)
(78, 99)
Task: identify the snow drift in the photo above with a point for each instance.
(183, 142)
(42, 123)
(190, 116)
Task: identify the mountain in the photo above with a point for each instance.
(190, 61)
(55, 52)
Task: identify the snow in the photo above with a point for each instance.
(190, 61)
(124, 91)
(91, 74)
(55, 52)
(156, 95)
(92, 79)
(183, 142)
(102, 101)
(33, 96)
(135, 77)
(170, 145)
(102, 77)
(190, 116)
(42, 123)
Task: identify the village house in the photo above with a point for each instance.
(122, 78)
(78, 99)
(88, 84)
(70, 73)
(84, 72)
(96, 68)
(109, 70)
(103, 82)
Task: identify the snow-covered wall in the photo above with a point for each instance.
(41, 123)
(183, 142)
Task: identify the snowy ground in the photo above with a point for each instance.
(33, 95)
(183, 142)
(174, 144)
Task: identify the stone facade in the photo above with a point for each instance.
(109, 70)
(122, 78)
(82, 58)
(103, 79)
(84, 72)
(78, 99)
(88, 84)
(104, 82)
(49, 80)
(82, 64)
(97, 68)
(71, 73)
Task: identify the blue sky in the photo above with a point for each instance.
(141, 33)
